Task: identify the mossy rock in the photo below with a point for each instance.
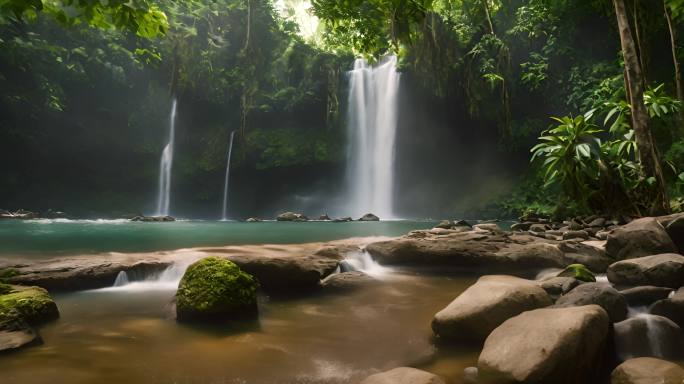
(215, 289)
(579, 272)
(7, 273)
(32, 305)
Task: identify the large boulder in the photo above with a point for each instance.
(664, 270)
(214, 289)
(645, 295)
(291, 216)
(596, 293)
(32, 305)
(675, 228)
(641, 237)
(548, 345)
(369, 217)
(591, 253)
(403, 375)
(648, 335)
(346, 281)
(647, 370)
(475, 313)
(672, 307)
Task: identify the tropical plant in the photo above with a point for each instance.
(570, 153)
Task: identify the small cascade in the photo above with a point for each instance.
(165, 164)
(224, 215)
(372, 126)
(647, 335)
(167, 279)
(363, 262)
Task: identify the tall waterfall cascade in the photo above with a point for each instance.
(371, 129)
(224, 215)
(165, 164)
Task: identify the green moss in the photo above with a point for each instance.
(214, 288)
(5, 288)
(579, 272)
(7, 273)
(31, 304)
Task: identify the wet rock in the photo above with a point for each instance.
(557, 286)
(647, 370)
(521, 226)
(579, 272)
(672, 307)
(596, 293)
(548, 345)
(597, 222)
(602, 234)
(153, 219)
(575, 234)
(489, 227)
(664, 270)
(590, 253)
(342, 220)
(346, 281)
(470, 375)
(491, 251)
(403, 375)
(485, 305)
(324, 217)
(645, 295)
(291, 216)
(214, 289)
(641, 237)
(445, 224)
(648, 336)
(11, 340)
(675, 229)
(538, 228)
(369, 217)
(31, 305)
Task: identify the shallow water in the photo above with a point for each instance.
(130, 336)
(49, 238)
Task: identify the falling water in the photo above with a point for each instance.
(225, 184)
(165, 164)
(165, 280)
(362, 261)
(372, 125)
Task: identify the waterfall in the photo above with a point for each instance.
(164, 195)
(371, 127)
(225, 184)
(167, 279)
(362, 261)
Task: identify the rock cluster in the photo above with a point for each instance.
(21, 309)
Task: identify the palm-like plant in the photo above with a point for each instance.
(571, 151)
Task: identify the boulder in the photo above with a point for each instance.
(253, 220)
(597, 222)
(664, 270)
(445, 224)
(675, 229)
(485, 305)
(342, 220)
(522, 226)
(672, 307)
(153, 218)
(596, 293)
(291, 216)
(346, 281)
(579, 272)
(214, 289)
(324, 217)
(557, 286)
(14, 339)
(575, 234)
(489, 227)
(31, 305)
(539, 227)
(647, 370)
(403, 375)
(548, 345)
(648, 335)
(645, 295)
(369, 217)
(470, 375)
(641, 237)
(591, 253)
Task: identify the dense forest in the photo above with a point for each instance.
(86, 88)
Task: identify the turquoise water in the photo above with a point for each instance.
(49, 238)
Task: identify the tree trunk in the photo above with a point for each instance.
(675, 60)
(641, 52)
(249, 25)
(489, 17)
(648, 153)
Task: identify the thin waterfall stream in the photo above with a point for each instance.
(165, 164)
(372, 128)
(224, 215)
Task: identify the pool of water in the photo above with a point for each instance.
(49, 238)
(130, 336)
